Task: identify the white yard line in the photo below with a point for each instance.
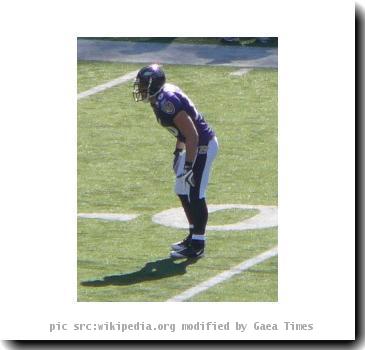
(108, 85)
(225, 275)
(107, 216)
(242, 71)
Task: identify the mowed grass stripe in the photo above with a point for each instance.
(225, 275)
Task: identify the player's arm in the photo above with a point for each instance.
(187, 128)
(179, 145)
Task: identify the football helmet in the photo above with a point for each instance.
(148, 83)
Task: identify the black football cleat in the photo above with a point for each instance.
(188, 252)
(182, 244)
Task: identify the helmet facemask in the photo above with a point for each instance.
(140, 90)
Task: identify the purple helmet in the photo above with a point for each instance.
(148, 83)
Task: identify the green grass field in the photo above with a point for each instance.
(124, 166)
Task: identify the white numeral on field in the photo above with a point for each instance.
(267, 217)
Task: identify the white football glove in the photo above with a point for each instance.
(188, 175)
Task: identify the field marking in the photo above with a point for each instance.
(241, 72)
(107, 216)
(107, 85)
(267, 217)
(225, 275)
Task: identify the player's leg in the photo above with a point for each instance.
(187, 240)
(182, 190)
(200, 218)
(197, 207)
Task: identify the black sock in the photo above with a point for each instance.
(198, 242)
(199, 211)
(187, 209)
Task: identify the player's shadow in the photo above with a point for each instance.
(151, 271)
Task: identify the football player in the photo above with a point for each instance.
(196, 148)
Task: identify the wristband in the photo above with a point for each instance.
(177, 151)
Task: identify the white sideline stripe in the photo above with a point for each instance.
(107, 85)
(225, 275)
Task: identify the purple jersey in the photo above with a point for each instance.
(169, 102)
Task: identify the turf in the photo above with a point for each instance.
(231, 216)
(93, 73)
(124, 166)
(244, 287)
